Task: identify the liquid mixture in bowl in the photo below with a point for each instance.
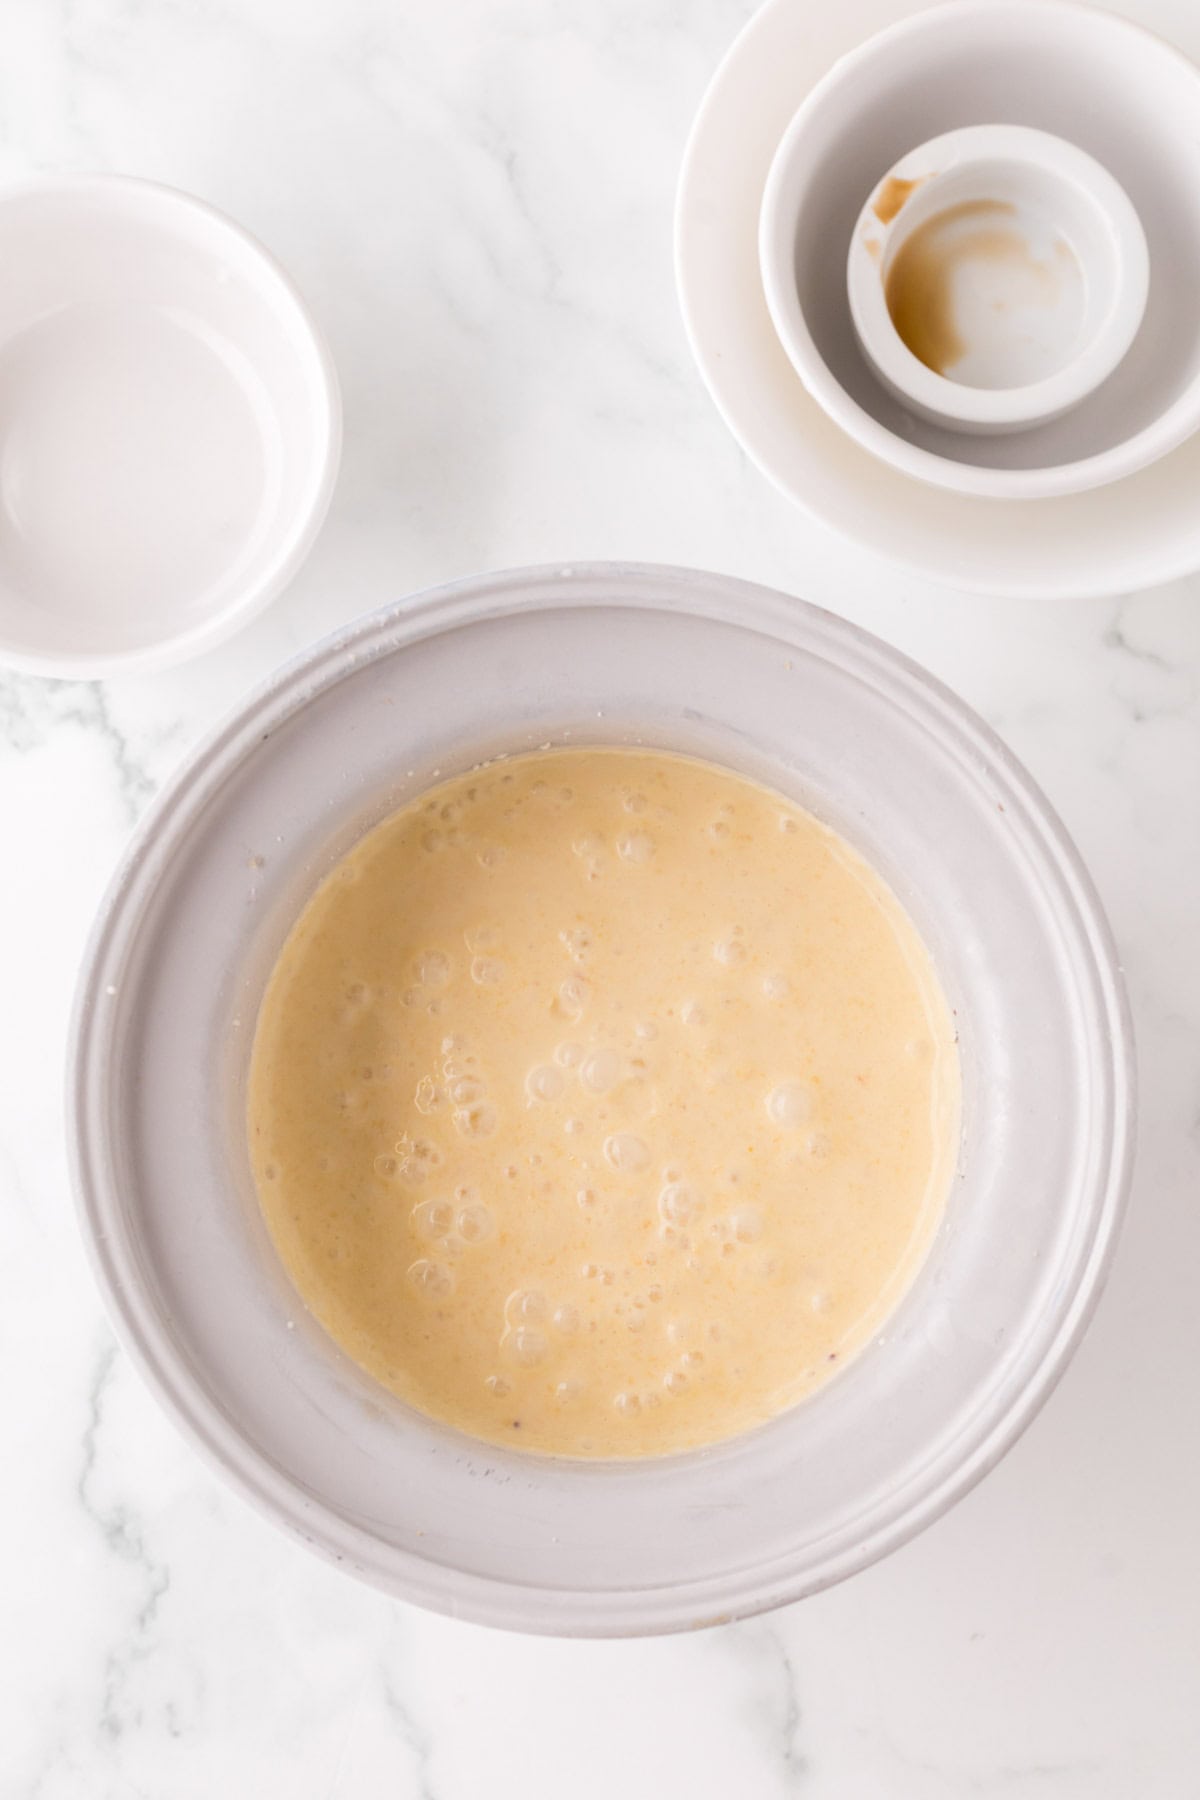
(603, 1103)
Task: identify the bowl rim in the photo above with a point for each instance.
(948, 158)
(90, 1080)
(1179, 421)
(171, 204)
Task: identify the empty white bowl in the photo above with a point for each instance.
(1012, 262)
(233, 848)
(169, 426)
(1123, 97)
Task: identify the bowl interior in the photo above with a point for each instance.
(787, 695)
(1124, 97)
(166, 414)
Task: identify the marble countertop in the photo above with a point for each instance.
(477, 200)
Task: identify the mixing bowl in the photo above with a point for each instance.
(619, 654)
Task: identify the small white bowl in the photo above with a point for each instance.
(170, 426)
(1119, 93)
(1025, 267)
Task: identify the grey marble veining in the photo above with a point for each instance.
(477, 199)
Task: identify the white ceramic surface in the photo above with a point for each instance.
(1039, 332)
(171, 989)
(170, 425)
(1138, 530)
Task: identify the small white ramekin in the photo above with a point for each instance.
(1047, 187)
(169, 420)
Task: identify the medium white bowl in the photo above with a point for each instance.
(169, 421)
(1120, 94)
(1040, 330)
(187, 937)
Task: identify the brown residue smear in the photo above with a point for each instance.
(891, 197)
(919, 286)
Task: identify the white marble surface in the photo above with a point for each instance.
(476, 197)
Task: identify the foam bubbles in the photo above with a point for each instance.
(627, 1405)
(432, 1280)
(474, 1222)
(543, 1083)
(678, 1203)
(496, 1385)
(417, 1158)
(626, 1152)
(566, 1320)
(433, 968)
(635, 847)
(529, 1346)
(478, 1121)
(573, 995)
(789, 1105)
(569, 1056)
(428, 1096)
(776, 986)
(433, 1218)
(730, 951)
(600, 1070)
(486, 971)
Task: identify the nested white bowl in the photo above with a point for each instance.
(608, 654)
(1125, 97)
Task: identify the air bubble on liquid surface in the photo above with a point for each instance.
(730, 951)
(431, 1279)
(675, 1381)
(787, 824)
(572, 996)
(529, 1346)
(433, 1218)
(566, 1320)
(568, 1390)
(481, 937)
(490, 856)
(585, 1199)
(600, 1070)
(817, 1145)
(636, 847)
(418, 1159)
(525, 1305)
(776, 987)
(628, 1405)
(789, 1105)
(478, 1121)
(646, 1029)
(486, 971)
(746, 1224)
(569, 1056)
(474, 1222)
(466, 1090)
(572, 1127)
(496, 1384)
(577, 942)
(384, 1165)
(544, 1083)
(626, 1152)
(678, 1203)
(428, 1096)
(634, 802)
(432, 841)
(432, 967)
(718, 830)
(691, 1014)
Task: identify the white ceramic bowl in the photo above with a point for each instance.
(1122, 96)
(1050, 290)
(195, 917)
(169, 421)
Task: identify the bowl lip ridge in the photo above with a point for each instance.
(91, 1081)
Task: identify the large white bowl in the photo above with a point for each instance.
(195, 918)
(1122, 95)
(170, 426)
